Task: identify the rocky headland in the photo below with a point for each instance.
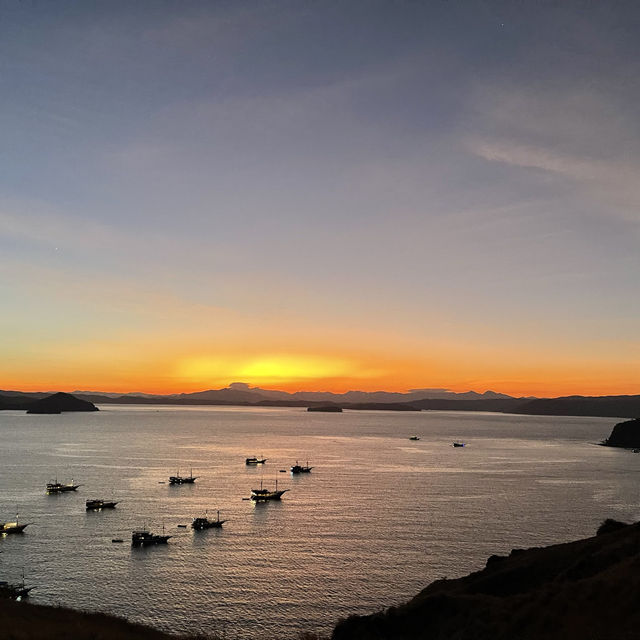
(625, 435)
(583, 590)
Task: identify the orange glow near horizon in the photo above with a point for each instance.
(337, 374)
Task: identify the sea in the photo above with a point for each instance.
(379, 517)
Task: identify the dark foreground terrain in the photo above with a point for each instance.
(25, 621)
(584, 590)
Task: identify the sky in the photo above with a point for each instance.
(320, 195)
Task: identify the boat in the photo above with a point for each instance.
(414, 438)
(97, 505)
(178, 479)
(58, 487)
(13, 527)
(296, 468)
(262, 495)
(255, 460)
(14, 591)
(457, 443)
(204, 523)
(144, 538)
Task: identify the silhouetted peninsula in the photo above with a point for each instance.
(625, 434)
(584, 589)
(328, 408)
(59, 402)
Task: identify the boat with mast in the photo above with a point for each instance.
(178, 479)
(204, 523)
(59, 487)
(14, 591)
(263, 495)
(297, 468)
(7, 528)
(144, 538)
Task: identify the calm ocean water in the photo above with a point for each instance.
(378, 518)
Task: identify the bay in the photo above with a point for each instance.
(377, 519)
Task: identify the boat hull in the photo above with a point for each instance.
(13, 527)
(263, 495)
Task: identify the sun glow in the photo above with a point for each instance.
(269, 369)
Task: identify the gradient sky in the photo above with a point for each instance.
(320, 195)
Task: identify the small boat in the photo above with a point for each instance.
(204, 523)
(97, 505)
(458, 443)
(414, 438)
(7, 528)
(14, 591)
(58, 487)
(263, 495)
(255, 460)
(117, 540)
(178, 479)
(144, 538)
(296, 468)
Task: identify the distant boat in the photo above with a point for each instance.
(14, 591)
(7, 528)
(144, 538)
(97, 504)
(263, 495)
(178, 479)
(204, 523)
(58, 487)
(296, 468)
(414, 438)
(255, 460)
(458, 443)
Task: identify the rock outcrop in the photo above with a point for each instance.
(625, 434)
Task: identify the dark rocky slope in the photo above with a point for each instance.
(587, 590)
(625, 434)
(25, 621)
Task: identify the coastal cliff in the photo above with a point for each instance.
(588, 589)
(625, 434)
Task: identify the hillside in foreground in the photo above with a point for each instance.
(583, 590)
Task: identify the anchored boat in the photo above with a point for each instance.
(97, 505)
(297, 468)
(204, 523)
(255, 460)
(263, 495)
(13, 527)
(58, 487)
(178, 479)
(144, 538)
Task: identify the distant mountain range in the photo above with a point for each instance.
(240, 393)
